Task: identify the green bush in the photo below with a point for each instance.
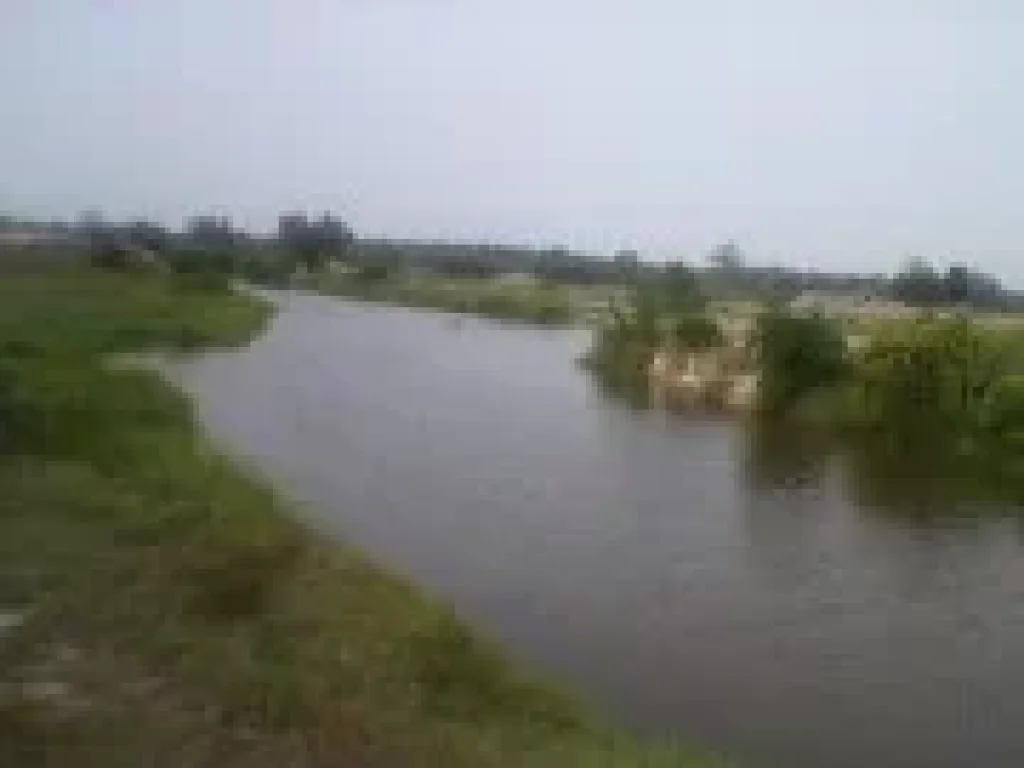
(1005, 415)
(939, 373)
(797, 355)
(696, 331)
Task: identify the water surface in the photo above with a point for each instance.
(684, 576)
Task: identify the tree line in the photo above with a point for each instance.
(310, 241)
(921, 284)
(313, 242)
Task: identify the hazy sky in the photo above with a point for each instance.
(841, 135)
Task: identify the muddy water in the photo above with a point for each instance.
(744, 594)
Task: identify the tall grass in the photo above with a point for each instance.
(535, 303)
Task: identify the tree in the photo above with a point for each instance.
(314, 243)
(552, 264)
(727, 257)
(627, 264)
(93, 228)
(210, 233)
(147, 235)
(919, 284)
(296, 236)
(965, 286)
(102, 241)
(334, 236)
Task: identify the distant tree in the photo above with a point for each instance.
(959, 288)
(965, 286)
(727, 257)
(627, 264)
(92, 227)
(561, 265)
(215, 234)
(102, 240)
(919, 284)
(293, 234)
(148, 235)
(209, 248)
(314, 243)
(335, 236)
(680, 289)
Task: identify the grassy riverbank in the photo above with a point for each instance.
(528, 300)
(161, 608)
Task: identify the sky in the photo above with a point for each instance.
(841, 136)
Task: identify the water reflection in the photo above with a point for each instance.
(629, 388)
(783, 454)
(917, 475)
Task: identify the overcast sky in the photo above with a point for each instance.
(840, 135)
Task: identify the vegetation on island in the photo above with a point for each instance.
(942, 385)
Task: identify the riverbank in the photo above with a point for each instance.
(159, 607)
(522, 299)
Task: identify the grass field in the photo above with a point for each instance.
(528, 301)
(160, 608)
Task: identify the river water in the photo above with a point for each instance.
(750, 594)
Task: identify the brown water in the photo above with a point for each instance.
(743, 591)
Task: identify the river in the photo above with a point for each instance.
(681, 577)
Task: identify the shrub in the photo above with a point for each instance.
(797, 355)
(696, 331)
(1005, 415)
(941, 373)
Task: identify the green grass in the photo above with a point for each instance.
(183, 615)
(531, 302)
